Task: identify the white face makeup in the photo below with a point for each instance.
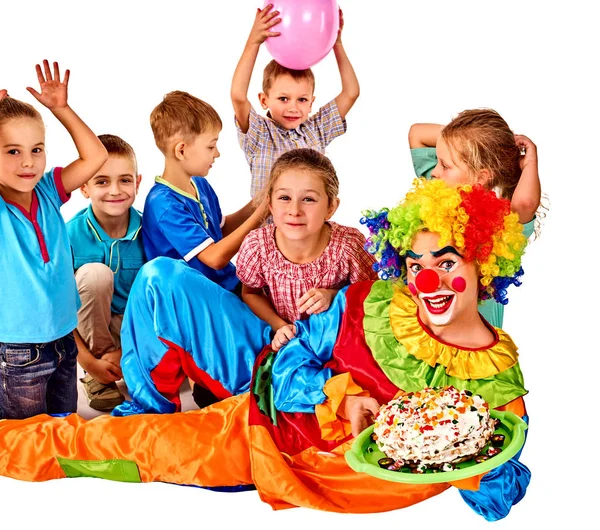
(442, 283)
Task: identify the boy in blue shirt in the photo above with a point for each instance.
(182, 215)
(107, 252)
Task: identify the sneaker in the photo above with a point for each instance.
(102, 397)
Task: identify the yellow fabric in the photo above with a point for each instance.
(462, 363)
(336, 389)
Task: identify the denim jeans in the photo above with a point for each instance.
(38, 378)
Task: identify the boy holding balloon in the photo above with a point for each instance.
(288, 84)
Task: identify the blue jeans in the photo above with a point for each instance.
(38, 378)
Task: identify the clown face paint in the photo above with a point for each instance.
(442, 283)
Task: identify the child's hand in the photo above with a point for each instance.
(53, 93)
(114, 357)
(359, 410)
(104, 371)
(339, 35)
(265, 19)
(3, 94)
(528, 151)
(282, 336)
(315, 301)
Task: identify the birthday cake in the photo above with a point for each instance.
(433, 428)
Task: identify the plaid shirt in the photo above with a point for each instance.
(266, 140)
(261, 264)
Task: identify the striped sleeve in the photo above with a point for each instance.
(328, 123)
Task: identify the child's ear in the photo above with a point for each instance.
(311, 103)
(84, 191)
(180, 150)
(262, 99)
(484, 177)
(333, 206)
(137, 182)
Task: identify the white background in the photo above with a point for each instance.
(416, 61)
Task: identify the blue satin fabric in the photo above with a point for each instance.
(298, 375)
(500, 489)
(171, 300)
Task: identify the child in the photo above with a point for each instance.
(107, 252)
(288, 97)
(38, 355)
(302, 259)
(182, 216)
(478, 146)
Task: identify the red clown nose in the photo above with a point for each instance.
(427, 281)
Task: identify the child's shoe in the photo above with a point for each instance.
(102, 397)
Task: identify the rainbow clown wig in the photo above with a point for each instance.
(478, 223)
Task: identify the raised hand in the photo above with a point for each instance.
(339, 35)
(264, 21)
(53, 91)
(528, 150)
(3, 94)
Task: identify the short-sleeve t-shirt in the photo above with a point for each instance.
(178, 225)
(265, 140)
(38, 291)
(261, 264)
(124, 256)
(424, 160)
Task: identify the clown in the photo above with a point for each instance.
(290, 416)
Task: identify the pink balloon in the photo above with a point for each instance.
(308, 30)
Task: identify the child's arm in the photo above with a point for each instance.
(424, 135)
(92, 153)
(350, 87)
(236, 219)
(217, 255)
(103, 370)
(261, 306)
(265, 19)
(527, 195)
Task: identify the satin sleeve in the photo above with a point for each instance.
(299, 372)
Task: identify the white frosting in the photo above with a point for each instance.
(433, 426)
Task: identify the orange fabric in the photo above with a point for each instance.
(209, 447)
(336, 389)
(324, 481)
(516, 405)
(195, 447)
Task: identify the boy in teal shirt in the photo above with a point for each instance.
(107, 253)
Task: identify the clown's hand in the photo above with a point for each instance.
(359, 410)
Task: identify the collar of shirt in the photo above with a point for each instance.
(166, 183)
(298, 131)
(135, 224)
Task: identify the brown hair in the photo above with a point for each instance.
(116, 146)
(309, 160)
(13, 109)
(481, 139)
(180, 113)
(274, 70)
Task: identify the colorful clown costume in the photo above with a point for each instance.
(280, 429)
